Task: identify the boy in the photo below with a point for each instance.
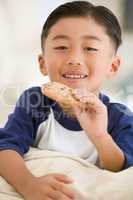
(79, 45)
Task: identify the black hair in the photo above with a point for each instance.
(100, 14)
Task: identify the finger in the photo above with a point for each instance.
(58, 195)
(85, 99)
(90, 100)
(63, 178)
(77, 109)
(62, 187)
(79, 92)
(94, 104)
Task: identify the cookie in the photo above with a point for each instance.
(61, 94)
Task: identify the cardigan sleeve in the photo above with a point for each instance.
(17, 134)
(121, 119)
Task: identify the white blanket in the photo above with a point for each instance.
(90, 182)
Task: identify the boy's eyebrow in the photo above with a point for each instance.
(87, 37)
(91, 37)
(57, 37)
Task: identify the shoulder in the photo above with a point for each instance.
(33, 96)
(30, 94)
(118, 113)
(33, 100)
(115, 106)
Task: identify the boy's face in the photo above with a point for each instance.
(79, 53)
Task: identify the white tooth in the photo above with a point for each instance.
(74, 76)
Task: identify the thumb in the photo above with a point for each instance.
(77, 109)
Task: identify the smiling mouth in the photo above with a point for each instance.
(74, 76)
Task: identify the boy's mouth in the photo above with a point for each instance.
(74, 76)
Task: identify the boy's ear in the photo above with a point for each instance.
(114, 68)
(42, 67)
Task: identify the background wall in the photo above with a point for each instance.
(21, 24)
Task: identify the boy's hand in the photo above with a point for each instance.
(92, 115)
(49, 187)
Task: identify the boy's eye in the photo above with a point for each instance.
(90, 49)
(61, 48)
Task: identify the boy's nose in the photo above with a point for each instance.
(75, 59)
(74, 63)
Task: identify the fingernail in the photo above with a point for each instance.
(69, 179)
